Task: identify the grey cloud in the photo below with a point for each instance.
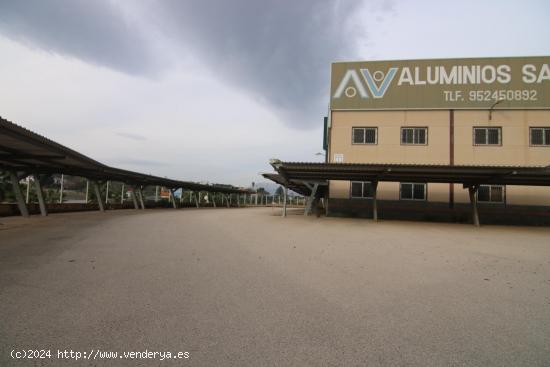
(279, 52)
(132, 136)
(139, 162)
(94, 31)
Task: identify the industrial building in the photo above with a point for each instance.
(489, 117)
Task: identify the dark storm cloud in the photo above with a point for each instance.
(278, 51)
(94, 31)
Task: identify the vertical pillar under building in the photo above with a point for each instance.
(134, 199)
(285, 193)
(98, 196)
(40, 195)
(141, 202)
(374, 201)
(174, 205)
(18, 194)
(472, 191)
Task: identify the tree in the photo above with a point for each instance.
(279, 191)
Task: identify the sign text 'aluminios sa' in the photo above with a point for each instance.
(516, 82)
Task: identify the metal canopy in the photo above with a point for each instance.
(466, 175)
(22, 150)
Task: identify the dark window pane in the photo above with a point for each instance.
(496, 194)
(483, 193)
(407, 136)
(420, 136)
(367, 190)
(546, 137)
(419, 191)
(370, 136)
(358, 136)
(406, 191)
(356, 189)
(536, 136)
(493, 136)
(480, 136)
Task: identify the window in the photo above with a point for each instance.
(540, 136)
(361, 190)
(364, 135)
(412, 191)
(414, 135)
(487, 136)
(490, 194)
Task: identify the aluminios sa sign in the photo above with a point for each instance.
(442, 84)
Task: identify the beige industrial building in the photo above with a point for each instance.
(465, 112)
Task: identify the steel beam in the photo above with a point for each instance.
(284, 201)
(311, 198)
(40, 195)
(18, 194)
(472, 191)
(141, 202)
(134, 199)
(98, 196)
(173, 198)
(374, 201)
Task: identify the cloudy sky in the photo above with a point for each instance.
(210, 90)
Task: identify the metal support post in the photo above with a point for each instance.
(61, 190)
(213, 199)
(107, 193)
(141, 202)
(374, 200)
(18, 194)
(134, 199)
(173, 198)
(472, 191)
(156, 193)
(311, 199)
(122, 195)
(40, 195)
(87, 189)
(198, 199)
(98, 196)
(28, 189)
(284, 201)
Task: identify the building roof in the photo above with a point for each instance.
(468, 175)
(25, 151)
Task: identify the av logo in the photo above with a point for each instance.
(377, 83)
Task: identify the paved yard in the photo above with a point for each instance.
(244, 287)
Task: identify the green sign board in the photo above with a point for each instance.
(514, 82)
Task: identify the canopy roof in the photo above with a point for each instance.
(301, 172)
(22, 150)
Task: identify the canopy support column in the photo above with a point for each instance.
(141, 202)
(213, 199)
(198, 199)
(311, 199)
(19, 194)
(173, 198)
(374, 201)
(134, 199)
(285, 194)
(98, 196)
(472, 191)
(40, 195)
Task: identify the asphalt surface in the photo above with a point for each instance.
(245, 287)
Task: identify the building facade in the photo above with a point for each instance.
(487, 112)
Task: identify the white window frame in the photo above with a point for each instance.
(487, 128)
(544, 142)
(413, 128)
(364, 128)
(413, 184)
(490, 190)
(362, 190)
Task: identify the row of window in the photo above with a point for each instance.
(539, 136)
(418, 191)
